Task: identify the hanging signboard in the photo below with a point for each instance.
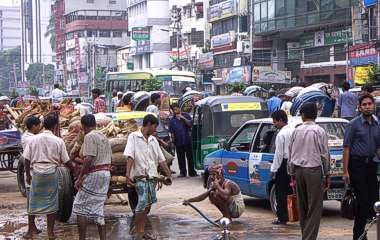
(370, 3)
(363, 54)
(221, 10)
(140, 33)
(361, 74)
(206, 61)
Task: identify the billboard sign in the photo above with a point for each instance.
(140, 33)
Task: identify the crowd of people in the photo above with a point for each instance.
(301, 163)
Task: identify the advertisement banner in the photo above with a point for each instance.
(140, 33)
(370, 3)
(221, 10)
(183, 54)
(294, 52)
(339, 36)
(363, 54)
(233, 75)
(223, 42)
(361, 75)
(323, 38)
(206, 61)
(267, 75)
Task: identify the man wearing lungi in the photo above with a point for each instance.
(144, 156)
(33, 126)
(43, 153)
(94, 179)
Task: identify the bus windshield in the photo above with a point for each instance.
(174, 85)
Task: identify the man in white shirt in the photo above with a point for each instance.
(83, 110)
(57, 94)
(286, 103)
(279, 166)
(144, 156)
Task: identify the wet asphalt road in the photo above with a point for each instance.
(169, 219)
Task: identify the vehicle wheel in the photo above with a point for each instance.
(21, 177)
(272, 199)
(65, 194)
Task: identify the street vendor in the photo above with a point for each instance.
(144, 155)
(223, 193)
(94, 179)
(43, 153)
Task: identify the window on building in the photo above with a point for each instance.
(317, 55)
(92, 33)
(90, 1)
(196, 38)
(173, 41)
(224, 60)
(339, 52)
(224, 26)
(117, 34)
(262, 57)
(187, 11)
(112, 1)
(104, 33)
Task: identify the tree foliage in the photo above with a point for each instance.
(39, 73)
(50, 31)
(100, 77)
(10, 63)
(152, 85)
(374, 75)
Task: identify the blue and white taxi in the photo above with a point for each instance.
(248, 155)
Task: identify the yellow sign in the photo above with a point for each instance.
(244, 106)
(361, 74)
(132, 115)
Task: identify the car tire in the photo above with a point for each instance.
(21, 183)
(272, 199)
(65, 194)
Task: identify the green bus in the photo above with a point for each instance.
(173, 82)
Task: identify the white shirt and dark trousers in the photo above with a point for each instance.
(279, 168)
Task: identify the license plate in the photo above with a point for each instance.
(335, 194)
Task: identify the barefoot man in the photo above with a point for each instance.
(43, 153)
(223, 193)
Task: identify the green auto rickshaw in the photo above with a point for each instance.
(216, 119)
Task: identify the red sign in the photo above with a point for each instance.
(363, 50)
(232, 168)
(77, 53)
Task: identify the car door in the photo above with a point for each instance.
(260, 160)
(236, 154)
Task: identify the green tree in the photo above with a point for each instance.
(100, 77)
(33, 91)
(50, 31)
(39, 73)
(10, 67)
(374, 75)
(152, 85)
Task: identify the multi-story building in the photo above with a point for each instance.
(308, 38)
(229, 30)
(149, 22)
(58, 9)
(35, 47)
(94, 30)
(10, 27)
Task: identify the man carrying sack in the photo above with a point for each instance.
(309, 161)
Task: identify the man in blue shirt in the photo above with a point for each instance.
(347, 103)
(274, 102)
(361, 148)
(180, 129)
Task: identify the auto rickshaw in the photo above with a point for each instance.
(188, 100)
(215, 119)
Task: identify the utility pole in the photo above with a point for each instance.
(93, 62)
(177, 26)
(15, 74)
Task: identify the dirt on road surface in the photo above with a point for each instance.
(169, 219)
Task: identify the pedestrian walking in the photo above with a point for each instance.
(43, 153)
(154, 107)
(180, 129)
(347, 103)
(309, 161)
(360, 153)
(99, 104)
(94, 179)
(33, 126)
(274, 102)
(57, 94)
(114, 100)
(144, 156)
(279, 166)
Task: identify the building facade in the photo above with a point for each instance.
(149, 22)
(94, 30)
(35, 47)
(307, 39)
(10, 27)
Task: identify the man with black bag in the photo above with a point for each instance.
(361, 144)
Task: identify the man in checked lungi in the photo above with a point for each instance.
(94, 179)
(144, 156)
(43, 153)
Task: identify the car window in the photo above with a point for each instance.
(242, 142)
(237, 120)
(265, 142)
(335, 131)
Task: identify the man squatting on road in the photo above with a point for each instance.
(223, 193)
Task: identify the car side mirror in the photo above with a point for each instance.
(222, 144)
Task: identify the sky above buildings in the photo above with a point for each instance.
(9, 2)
